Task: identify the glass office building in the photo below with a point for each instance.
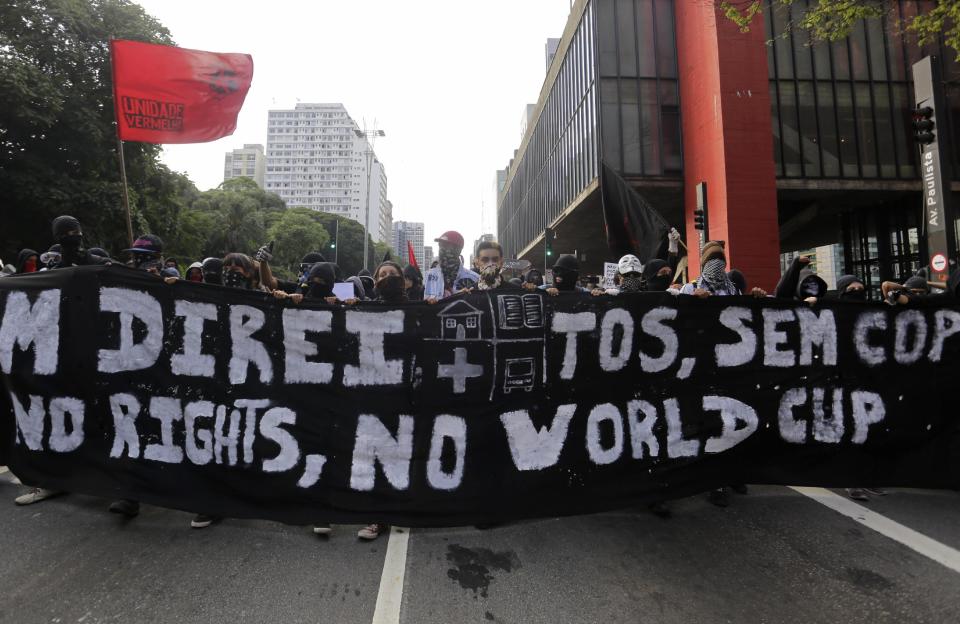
(846, 164)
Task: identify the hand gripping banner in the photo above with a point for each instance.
(486, 407)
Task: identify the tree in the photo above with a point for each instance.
(57, 134)
(830, 21)
(295, 233)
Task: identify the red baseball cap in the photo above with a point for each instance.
(452, 238)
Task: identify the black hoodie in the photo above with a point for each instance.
(789, 285)
(327, 274)
(22, 258)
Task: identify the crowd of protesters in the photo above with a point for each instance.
(391, 283)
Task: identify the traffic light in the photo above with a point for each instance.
(548, 237)
(923, 125)
(333, 244)
(700, 219)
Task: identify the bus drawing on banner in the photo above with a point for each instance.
(519, 374)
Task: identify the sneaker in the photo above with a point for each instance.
(322, 529)
(370, 532)
(876, 491)
(720, 497)
(859, 494)
(201, 521)
(125, 507)
(660, 509)
(36, 495)
(740, 488)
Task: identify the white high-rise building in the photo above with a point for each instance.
(317, 158)
(404, 231)
(249, 162)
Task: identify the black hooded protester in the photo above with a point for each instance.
(738, 278)
(212, 271)
(801, 283)
(28, 261)
(657, 275)
(239, 271)
(915, 288)
(566, 273)
(850, 288)
(69, 235)
(147, 254)
(274, 283)
(51, 257)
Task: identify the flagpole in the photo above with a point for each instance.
(126, 193)
(123, 164)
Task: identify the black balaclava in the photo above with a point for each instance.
(212, 269)
(368, 285)
(566, 272)
(358, 290)
(325, 274)
(449, 258)
(653, 282)
(844, 282)
(70, 244)
(809, 284)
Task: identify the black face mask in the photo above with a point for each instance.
(319, 291)
(568, 279)
(854, 295)
(235, 279)
(658, 283)
(390, 288)
(71, 243)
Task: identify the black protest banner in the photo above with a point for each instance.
(480, 408)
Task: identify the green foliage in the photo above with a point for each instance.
(831, 20)
(294, 234)
(57, 135)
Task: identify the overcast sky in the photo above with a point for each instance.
(447, 81)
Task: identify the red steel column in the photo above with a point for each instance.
(727, 141)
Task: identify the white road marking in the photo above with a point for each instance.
(390, 595)
(4, 470)
(918, 542)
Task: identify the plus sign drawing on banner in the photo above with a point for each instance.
(459, 371)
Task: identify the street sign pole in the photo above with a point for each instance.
(938, 215)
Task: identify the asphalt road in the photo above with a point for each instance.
(774, 555)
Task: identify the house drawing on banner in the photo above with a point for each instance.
(460, 321)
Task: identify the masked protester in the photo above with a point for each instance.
(850, 288)
(389, 285)
(566, 274)
(628, 278)
(28, 261)
(69, 235)
(713, 279)
(532, 280)
(147, 254)
(413, 280)
(657, 276)
(450, 276)
(238, 271)
(359, 291)
(194, 273)
(290, 287)
(488, 262)
(212, 269)
(738, 278)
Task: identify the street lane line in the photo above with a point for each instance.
(918, 542)
(391, 581)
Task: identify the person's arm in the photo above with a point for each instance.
(266, 275)
(787, 286)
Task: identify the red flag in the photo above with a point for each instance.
(165, 94)
(411, 257)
